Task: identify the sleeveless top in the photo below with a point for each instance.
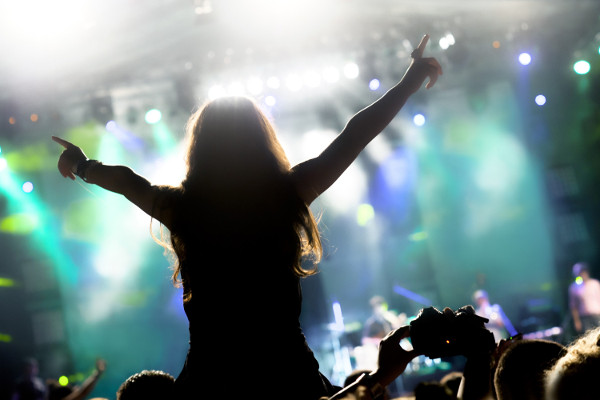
(245, 334)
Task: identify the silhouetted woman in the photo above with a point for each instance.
(241, 227)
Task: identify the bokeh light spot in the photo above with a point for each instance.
(581, 67)
(19, 224)
(6, 282)
(364, 214)
(5, 337)
(540, 99)
(374, 84)
(351, 70)
(525, 58)
(63, 380)
(270, 101)
(27, 187)
(153, 116)
(419, 119)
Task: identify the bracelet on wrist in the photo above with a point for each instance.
(83, 166)
(376, 389)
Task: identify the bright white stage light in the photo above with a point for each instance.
(254, 86)
(216, 91)
(312, 79)
(351, 70)
(270, 101)
(331, 75)
(293, 82)
(525, 58)
(540, 99)
(273, 82)
(419, 119)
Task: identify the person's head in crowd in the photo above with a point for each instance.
(575, 375)
(521, 368)
(481, 298)
(30, 367)
(581, 269)
(432, 390)
(147, 385)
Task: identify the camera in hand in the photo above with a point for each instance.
(438, 334)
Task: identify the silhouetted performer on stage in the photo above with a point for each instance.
(584, 299)
(240, 226)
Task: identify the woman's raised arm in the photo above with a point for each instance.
(116, 178)
(316, 175)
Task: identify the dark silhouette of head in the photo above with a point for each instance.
(432, 390)
(575, 374)
(521, 368)
(147, 385)
(232, 143)
(238, 190)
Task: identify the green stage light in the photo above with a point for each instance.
(19, 224)
(364, 214)
(6, 282)
(153, 116)
(581, 67)
(6, 338)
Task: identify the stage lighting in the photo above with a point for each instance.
(364, 214)
(235, 89)
(351, 70)
(312, 79)
(111, 126)
(293, 82)
(27, 187)
(374, 84)
(540, 99)
(581, 67)
(255, 86)
(270, 101)
(153, 116)
(6, 338)
(273, 82)
(525, 58)
(216, 91)
(3, 164)
(419, 120)
(331, 75)
(7, 282)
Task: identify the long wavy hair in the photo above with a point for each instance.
(236, 166)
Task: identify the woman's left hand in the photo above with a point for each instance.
(70, 157)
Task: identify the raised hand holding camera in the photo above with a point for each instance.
(438, 334)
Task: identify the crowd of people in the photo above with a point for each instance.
(240, 226)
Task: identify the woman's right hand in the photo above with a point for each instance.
(392, 358)
(70, 157)
(422, 68)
